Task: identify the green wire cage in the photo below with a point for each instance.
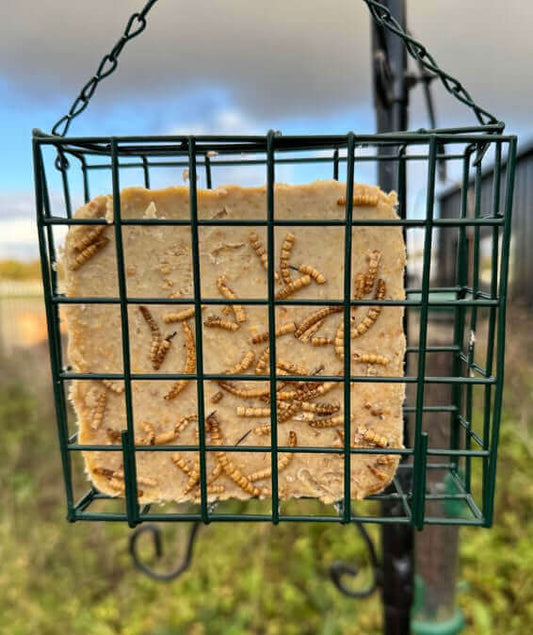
(69, 170)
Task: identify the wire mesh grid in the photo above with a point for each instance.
(71, 168)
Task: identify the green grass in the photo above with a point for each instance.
(245, 579)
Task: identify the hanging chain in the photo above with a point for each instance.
(135, 26)
(383, 17)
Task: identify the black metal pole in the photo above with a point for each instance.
(389, 59)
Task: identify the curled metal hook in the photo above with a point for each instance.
(155, 532)
(339, 569)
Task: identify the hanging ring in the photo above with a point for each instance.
(340, 569)
(155, 532)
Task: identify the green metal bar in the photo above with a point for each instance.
(336, 164)
(208, 179)
(53, 331)
(272, 324)
(308, 222)
(347, 397)
(193, 199)
(63, 163)
(488, 501)
(132, 500)
(130, 478)
(146, 172)
(419, 480)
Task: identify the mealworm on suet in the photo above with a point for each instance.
(262, 361)
(365, 435)
(286, 249)
(242, 411)
(243, 365)
(227, 465)
(320, 408)
(97, 414)
(312, 330)
(162, 351)
(371, 358)
(217, 396)
(262, 430)
(293, 287)
(374, 259)
(245, 393)
(283, 461)
(316, 316)
(328, 422)
(322, 341)
(282, 329)
(190, 362)
(293, 369)
(117, 388)
(318, 277)
(372, 314)
(88, 253)
(186, 314)
(260, 251)
(226, 292)
(215, 322)
(90, 237)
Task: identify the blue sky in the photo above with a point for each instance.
(290, 65)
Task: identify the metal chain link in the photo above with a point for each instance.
(383, 17)
(134, 27)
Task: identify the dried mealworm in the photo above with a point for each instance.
(328, 422)
(291, 368)
(283, 461)
(322, 341)
(363, 197)
(386, 459)
(243, 365)
(365, 435)
(287, 395)
(97, 415)
(286, 249)
(292, 287)
(245, 393)
(282, 329)
(374, 259)
(90, 237)
(113, 386)
(262, 430)
(371, 358)
(162, 351)
(287, 411)
(315, 317)
(320, 408)
(211, 490)
(339, 340)
(180, 316)
(262, 361)
(183, 423)
(359, 286)
(374, 411)
(218, 323)
(88, 253)
(314, 273)
(252, 412)
(259, 249)
(305, 337)
(382, 476)
(103, 471)
(227, 465)
(190, 362)
(115, 436)
(181, 463)
(217, 396)
(141, 480)
(156, 333)
(373, 312)
(228, 293)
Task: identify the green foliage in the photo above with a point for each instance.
(246, 578)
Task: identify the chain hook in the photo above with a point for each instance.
(155, 533)
(338, 570)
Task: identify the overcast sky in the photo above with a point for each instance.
(236, 66)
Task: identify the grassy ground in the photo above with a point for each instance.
(246, 579)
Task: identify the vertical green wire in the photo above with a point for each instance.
(272, 324)
(146, 172)
(489, 359)
(419, 465)
(54, 336)
(130, 471)
(193, 201)
(459, 322)
(347, 366)
(85, 175)
(500, 346)
(63, 162)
